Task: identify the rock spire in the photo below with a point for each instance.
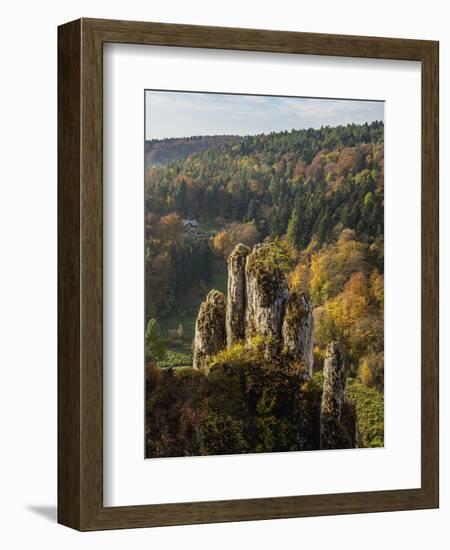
(337, 426)
(236, 298)
(259, 304)
(210, 333)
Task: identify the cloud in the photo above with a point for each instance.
(183, 114)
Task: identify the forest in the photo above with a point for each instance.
(318, 197)
(159, 152)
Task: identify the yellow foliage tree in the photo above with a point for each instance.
(245, 233)
(300, 277)
(377, 288)
(351, 318)
(365, 374)
(170, 227)
(221, 243)
(332, 266)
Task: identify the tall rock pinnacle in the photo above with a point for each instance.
(236, 299)
(333, 398)
(210, 332)
(259, 304)
(267, 294)
(297, 333)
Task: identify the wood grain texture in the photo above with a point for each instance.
(430, 273)
(80, 241)
(69, 244)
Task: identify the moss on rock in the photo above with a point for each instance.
(210, 333)
(297, 333)
(236, 299)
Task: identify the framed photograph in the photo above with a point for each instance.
(248, 274)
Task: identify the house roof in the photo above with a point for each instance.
(194, 223)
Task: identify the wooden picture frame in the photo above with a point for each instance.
(80, 271)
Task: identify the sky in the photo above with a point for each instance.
(185, 114)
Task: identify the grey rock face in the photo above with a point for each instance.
(236, 299)
(210, 332)
(297, 333)
(333, 399)
(267, 293)
(259, 304)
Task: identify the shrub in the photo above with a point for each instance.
(154, 345)
(222, 432)
(371, 370)
(175, 359)
(369, 404)
(231, 409)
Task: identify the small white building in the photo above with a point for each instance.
(190, 225)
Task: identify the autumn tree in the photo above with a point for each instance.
(170, 226)
(245, 233)
(352, 319)
(332, 266)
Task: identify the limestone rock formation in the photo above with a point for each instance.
(236, 299)
(260, 304)
(297, 333)
(267, 294)
(210, 332)
(337, 417)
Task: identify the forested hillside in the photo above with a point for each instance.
(305, 182)
(168, 150)
(318, 196)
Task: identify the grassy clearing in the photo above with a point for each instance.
(185, 313)
(369, 404)
(208, 229)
